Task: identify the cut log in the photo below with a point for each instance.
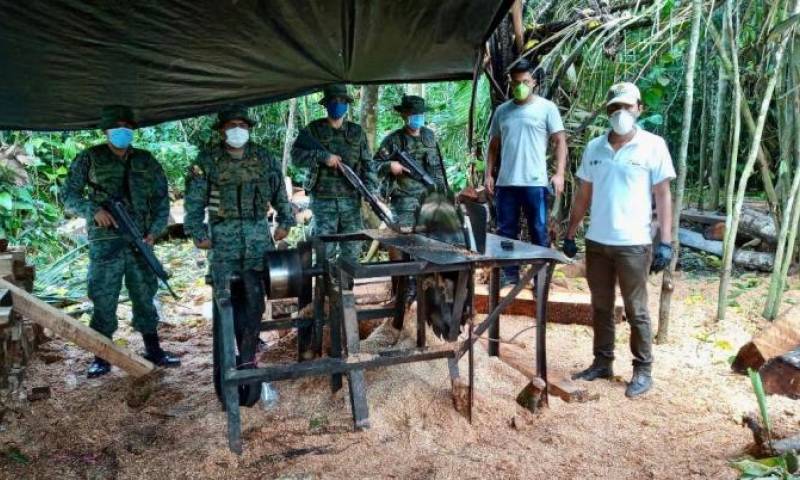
(562, 307)
(758, 224)
(67, 327)
(786, 445)
(781, 336)
(781, 375)
(748, 259)
(715, 231)
(702, 216)
(558, 383)
(752, 222)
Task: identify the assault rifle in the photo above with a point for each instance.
(308, 142)
(415, 170)
(128, 229)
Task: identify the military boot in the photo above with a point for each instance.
(594, 372)
(98, 368)
(155, 354)
(640, 383)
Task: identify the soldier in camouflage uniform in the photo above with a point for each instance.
(237, 181)
(116, 168)
(404, 192)
(334, 202)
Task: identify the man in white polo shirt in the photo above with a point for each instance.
(620, 172)
(519, 135)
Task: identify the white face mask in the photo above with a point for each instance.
(236, 137)
(622, 122)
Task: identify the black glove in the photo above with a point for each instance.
(661, 257)
(569, 247)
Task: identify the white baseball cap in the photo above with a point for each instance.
(623, 92)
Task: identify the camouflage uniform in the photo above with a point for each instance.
(110, 256)
(237, 194)
(404, 192)
(335, 203)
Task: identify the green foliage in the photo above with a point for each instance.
(784, 467)
(758, 389)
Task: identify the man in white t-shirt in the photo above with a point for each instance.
(519, 134)
(620, 172)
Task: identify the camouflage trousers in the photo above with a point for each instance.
(338, 215)
(111, 261)
(404, 210)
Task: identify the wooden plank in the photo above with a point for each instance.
(67, 327)
(558, 383)
(562, 307)
(779, 337)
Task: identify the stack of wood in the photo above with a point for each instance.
(755, 242)
(16, 338)
(775, 353)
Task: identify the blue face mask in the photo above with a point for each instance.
(336, 110)
(416, 121)
(120, 137)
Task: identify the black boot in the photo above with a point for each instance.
(98, 368)
(640, 383)
(594, 372)
(155, 354)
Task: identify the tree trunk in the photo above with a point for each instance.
(763, 159)
(288, 137)
(751, 159)
(701, 175)
(717, 145)
(789, 226)
(368, 115)
(730, 183)
(688, 104)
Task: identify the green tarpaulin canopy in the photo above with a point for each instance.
(61, 61)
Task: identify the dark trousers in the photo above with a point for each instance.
(629, 265)
(532, 201)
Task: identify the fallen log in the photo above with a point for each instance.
(67, 327)
(781, 336)
(752, 223)
(562, 307)
(781, 375)
(790, 444)
(749, 259)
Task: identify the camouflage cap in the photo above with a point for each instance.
(333, 91)
(111, 115)
(411, 104)
(233, 112)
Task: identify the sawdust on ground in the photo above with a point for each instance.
(687, 427)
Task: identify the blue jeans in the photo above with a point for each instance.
(533, 202)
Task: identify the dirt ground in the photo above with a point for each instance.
(172, 427)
